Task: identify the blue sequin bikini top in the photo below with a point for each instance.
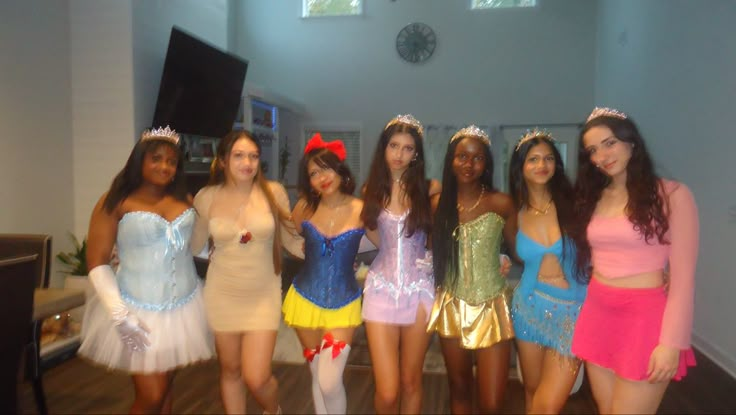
(156, 269)
(533, 252)
(327, 277)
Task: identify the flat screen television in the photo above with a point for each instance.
(201, 87)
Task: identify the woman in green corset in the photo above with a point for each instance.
(471, 309)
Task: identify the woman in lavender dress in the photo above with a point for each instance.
(399, 288)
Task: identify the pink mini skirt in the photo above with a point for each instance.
(618, 328)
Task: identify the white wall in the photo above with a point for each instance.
(489, 67)
(101, 98)
(118, 51)
(670, 64)
(35, 120)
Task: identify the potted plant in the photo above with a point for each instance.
(75, 262)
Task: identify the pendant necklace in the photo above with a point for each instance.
(543, 211)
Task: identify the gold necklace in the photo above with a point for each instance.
(461, 208)
(539, 212)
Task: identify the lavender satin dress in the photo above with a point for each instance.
(396, 285)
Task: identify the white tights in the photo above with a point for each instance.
(328, 389)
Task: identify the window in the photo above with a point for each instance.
(351, 139)
(499, 4)
(316, 8)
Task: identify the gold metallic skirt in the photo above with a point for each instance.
(477, 326)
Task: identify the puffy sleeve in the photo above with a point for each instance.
(201, 233)
(684, 231)
(290, 239)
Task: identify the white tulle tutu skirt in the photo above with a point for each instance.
(178, 337)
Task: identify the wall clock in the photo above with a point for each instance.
(416, 42)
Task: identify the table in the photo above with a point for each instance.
(51, 301)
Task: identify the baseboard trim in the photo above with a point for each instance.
(718, 356)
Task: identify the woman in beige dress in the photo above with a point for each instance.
(247, 218)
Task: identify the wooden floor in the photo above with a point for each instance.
(80, 388)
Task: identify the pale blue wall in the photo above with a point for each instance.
(490, 67)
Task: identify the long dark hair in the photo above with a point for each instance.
(130, 177)
(325, 159)
(647, 207)
(218, 176)
(444, 245)
(378, 187)
(559, 186)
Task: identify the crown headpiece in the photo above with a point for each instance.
(161, 133)
(472, 131)
(407, 119)
(606, 112)
(532, 134)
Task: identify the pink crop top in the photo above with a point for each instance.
(617, 250)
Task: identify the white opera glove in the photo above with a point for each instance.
(132, 331)
(425, 264)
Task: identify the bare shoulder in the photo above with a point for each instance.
(299, 211)
(435, 187)
(205, 192)
(356, 203)
(502, 204)
(276, 187)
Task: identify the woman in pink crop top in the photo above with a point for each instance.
(634, 328)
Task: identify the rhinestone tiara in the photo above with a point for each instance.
(406, 119)
(161, 133)
(531, 134)
(606, 112)
(472, 131)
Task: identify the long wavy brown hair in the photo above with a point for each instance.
(218, 176)
(647, 207)
(377, 192)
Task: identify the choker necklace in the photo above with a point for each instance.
(461, 208)
(539, 212)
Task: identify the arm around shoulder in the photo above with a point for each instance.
(200, 234)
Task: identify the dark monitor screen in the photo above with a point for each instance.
(200, 87)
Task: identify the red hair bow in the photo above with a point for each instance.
(337, 147)
(337, 345)
(310, 353)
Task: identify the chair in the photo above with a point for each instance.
(16, 307)
(40, 245)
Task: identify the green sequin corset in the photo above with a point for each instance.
(478, 277)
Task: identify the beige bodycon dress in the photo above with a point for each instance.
(242, 291)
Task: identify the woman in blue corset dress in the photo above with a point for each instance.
(323, 302)
(471, 310)
(548, 298)
(146, 319)
(399, 286)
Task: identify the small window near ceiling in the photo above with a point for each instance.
(501, 4)
(318, 8)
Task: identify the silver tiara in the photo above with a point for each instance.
(161, 133)
(531, 134)
(472, 131)
(606, 112)
(407, 119)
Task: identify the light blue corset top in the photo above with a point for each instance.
(156, 269)
(327, 277)
(395, 269)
